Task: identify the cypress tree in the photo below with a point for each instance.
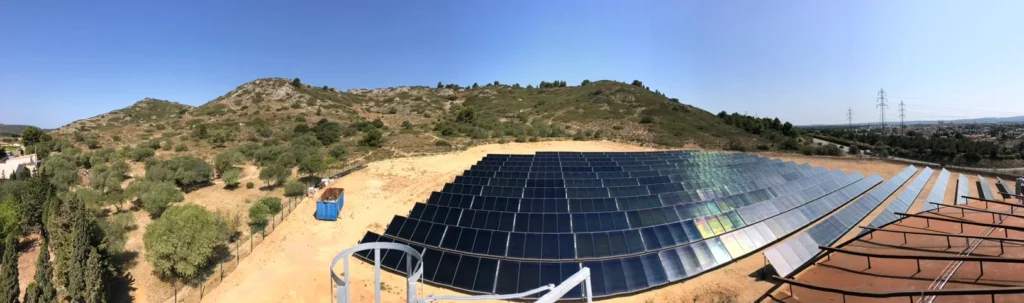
(42, 290)
(32, 293)
(94, 278)
(9, 291)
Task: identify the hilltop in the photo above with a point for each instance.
(416, 119)
(12, 129)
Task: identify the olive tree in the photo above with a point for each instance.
(154, 196)
(183, 240)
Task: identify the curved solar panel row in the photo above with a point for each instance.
(592, 222)
(984, 190)
(612, 164)
(792, 254)
(555, 188)
(551, 200)
(689, 171)
(538, 238)
(613, 276)
(938, 192)
(962, 189)
(902, 202)
(802, 247)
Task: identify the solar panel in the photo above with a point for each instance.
(938, 192)
(961, 189)
(984, 190)
(783, 257)
(638, 220)
(902, 202)
(1005, 189)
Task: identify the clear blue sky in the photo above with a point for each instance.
(803, 61)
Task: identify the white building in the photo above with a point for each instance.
(11, 165)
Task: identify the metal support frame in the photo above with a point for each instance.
(344, 286)
(554, 293)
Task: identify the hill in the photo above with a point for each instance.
(415, 119)
(12, 129)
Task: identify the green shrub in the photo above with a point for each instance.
(442, 143)
(258, 213)
(646, 120)
(273, 204)
(372, 138)
(180, 147)
(249, 185)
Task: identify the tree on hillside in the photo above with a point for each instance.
(41, 290)
(258, 213)
(33, 135)
(152, 196)
(231, 177)
(72, 234)
(141, 154)
(439, 85)
(294, 189)
(496, 83)
(296, 82)
(637, 83)
(9, 291)
(187, 172)
(182, 241)
(476, 85)
(337, 151)
(466, 115)
(221, 137)
(92, 143)
(312, 164)
(585, 83)
(61, 171)
(372, 138)
(226, 160)
(95, 278)
(327, 132)
(275, 174)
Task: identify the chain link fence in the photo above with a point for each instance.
(238, 251)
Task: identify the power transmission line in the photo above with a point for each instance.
(849, 117)
(903, 111)
(881, 107)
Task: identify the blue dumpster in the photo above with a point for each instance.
(329, 205)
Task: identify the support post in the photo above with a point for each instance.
(918, 265)
(869, 262)
(927, 222)
(948, 245)
(904, 238)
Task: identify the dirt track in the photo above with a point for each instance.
(291, 265)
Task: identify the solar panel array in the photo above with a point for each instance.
(638, 220)
(984, 190)
(902, 202)
(962, 189)
(938, 192)
(792, 254)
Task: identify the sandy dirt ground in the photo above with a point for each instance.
(147, 286)
(291, 265)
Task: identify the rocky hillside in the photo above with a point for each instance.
(415, 119)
